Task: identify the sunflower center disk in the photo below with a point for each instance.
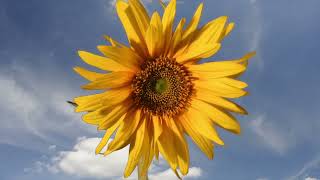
(163, 87)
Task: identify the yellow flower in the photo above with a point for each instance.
(155, 92)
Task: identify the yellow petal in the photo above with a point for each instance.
(224, 80)
(146, 159)
(202, 124)
(245, 58)
(219, 117)
(106, 137)
(183, 158)
(173, 126)
(157, 126)
(94, 117)
(232, 82)
(107, 116)
(183, 46)
(101, 62)
(106, 99)
(180, 26)
(122, 55)
(202, 43)
(93, 104)
(116, 96)
(89, 75)
(156, 150)
(151, 40)
(211, 32)
(194, 22)
(181, 147)
(154, 37)
(205, 145)
(113, 42)
(88, 103)
(110, 80)
(117, 113)
(140, 14)
(177, 37)
(156, 22)
(226, 31)
(216, 69)
(243, 61)
(129, 126)
(195, 52)
(131, 26)
(87, 99)
(209, 97)
(147, 151)
(167, 21)
(135, 149)
(229, 28)
(220, 89)
(167, 147)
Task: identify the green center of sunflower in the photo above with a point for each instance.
(163, 87)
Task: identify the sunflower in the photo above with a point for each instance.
(155, 92)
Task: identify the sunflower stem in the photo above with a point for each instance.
(140, 176)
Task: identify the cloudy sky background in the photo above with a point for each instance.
(41, 137)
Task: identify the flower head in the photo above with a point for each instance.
(155, 92)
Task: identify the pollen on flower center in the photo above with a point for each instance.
(163, 87)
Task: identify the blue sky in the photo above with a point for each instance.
(41, 137)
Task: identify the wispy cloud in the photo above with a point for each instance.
(34, 111)
(310, 167)
(167, 1)
(110, 5)
(256, 33)
(270, 135)
(263, 178)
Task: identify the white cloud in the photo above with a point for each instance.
(82, 162)
(194, 172)
(311, 178)
(112, 3)
(52, 147)
(263, 178)
(271, 136)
